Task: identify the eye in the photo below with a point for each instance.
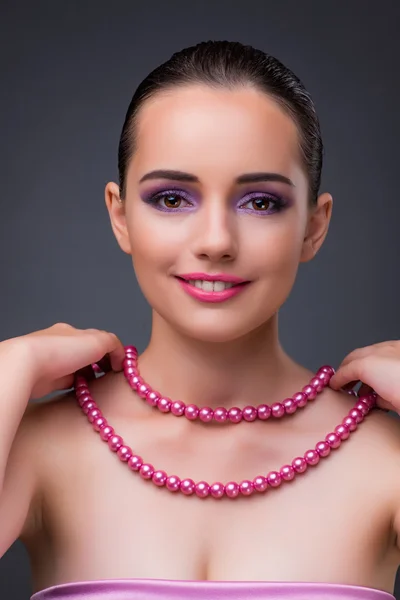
(260, 203)
(263, 204)
(169, 200)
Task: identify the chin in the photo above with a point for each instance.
(215, 332)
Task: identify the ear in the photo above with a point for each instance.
(117, 213)
(317, 227)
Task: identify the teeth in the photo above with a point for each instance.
(210, 286)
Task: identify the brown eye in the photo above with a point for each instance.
(172, 201)
(260, 204)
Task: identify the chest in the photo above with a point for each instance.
(332, 523)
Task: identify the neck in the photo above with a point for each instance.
(249, 370)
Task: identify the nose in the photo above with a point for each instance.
(215, 237)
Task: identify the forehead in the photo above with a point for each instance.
(204, 130)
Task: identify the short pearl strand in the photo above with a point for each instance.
(222, 415)
(217, 490)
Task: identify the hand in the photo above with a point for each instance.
(55, 354)
(378, 369)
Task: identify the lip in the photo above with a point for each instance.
(206, 277)
(212, 297)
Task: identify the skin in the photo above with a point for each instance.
(91, 518)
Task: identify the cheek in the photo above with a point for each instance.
(276, 249)
(153, 244)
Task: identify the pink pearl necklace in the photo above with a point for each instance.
(220, 414)
(232, 489)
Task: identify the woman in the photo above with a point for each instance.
(218, 203)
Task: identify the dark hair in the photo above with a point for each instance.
(229, 65)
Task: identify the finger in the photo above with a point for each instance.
(355, 355)
(346, 374)
(364, 352)
(110, 345)
(116, 353)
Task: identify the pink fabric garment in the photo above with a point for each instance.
(164, 589)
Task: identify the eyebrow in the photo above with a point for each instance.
(188, 177)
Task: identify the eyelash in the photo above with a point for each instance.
(278, 202)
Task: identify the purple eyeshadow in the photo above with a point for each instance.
(156, 194)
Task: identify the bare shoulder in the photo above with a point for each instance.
(21, 505)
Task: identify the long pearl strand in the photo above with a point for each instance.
(231, 489)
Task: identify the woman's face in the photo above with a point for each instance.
(231, 202)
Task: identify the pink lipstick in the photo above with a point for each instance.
(212, 288)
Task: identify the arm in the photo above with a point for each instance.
(18, 479)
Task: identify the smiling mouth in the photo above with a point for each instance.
(212, 286)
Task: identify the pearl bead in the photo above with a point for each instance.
(312, 457)
(124, 453)
(290, 406)
(178, 408)
(287, 472)
(187, 487)
(357, 415)
(159, 478)
(324, 378)
(142, 390)
(135, 462)
(299, 464)
(128, 371)
(130, 350)
(277, 410)
(260, 483)
(317, 384)
(220, 414)
(217, 490)
(83, 395)
(191, 412)
(164, 405)
(206, 414)
(130, 362)
(202, 489)
(274, 479)
(327, 369)
(249, 413)
(263, 412)
(351, 423)
(173, 483)
(232, 489)
(334, 440)
(94, 414)
(235, 414)
(135, 381)
(115, 442)
(87, 406)
(99, 423)
(246, 488)
(106, 432)
(323, 449)
(342, 431)
(146, 471)
(310, 392)
(301, 399)
(152, 398)
(362, 407)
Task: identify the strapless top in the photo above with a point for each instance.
(165, 589)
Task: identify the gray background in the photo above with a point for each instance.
(68, 71)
